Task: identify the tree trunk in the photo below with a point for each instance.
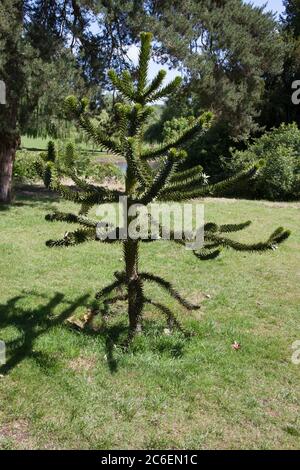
(13, 74)
(134, 285)
(8, 149)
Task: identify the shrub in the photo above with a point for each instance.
(25, 166)
(51, 151)
(46, 164)
(30, 167)
(104, 171)
(84, 163)
(176, 126)
(279, 179)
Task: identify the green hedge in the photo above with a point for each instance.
(279, 179)
(25, 166)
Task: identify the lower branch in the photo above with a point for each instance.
(171, 319)
(168, 286)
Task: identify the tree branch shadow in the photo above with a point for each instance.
(111, 335)
(31, 324)
(31, 194)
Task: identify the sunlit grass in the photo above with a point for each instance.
(66, 389)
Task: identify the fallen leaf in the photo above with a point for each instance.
(88, 316)
(236, 346)
(75, 322)
(82, 322)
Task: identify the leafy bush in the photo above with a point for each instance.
(30, 167)
(85, 165)
(280, 177)
(25, 166)
(203, 149)
(277, 178)
(99, 172)
(175, 127)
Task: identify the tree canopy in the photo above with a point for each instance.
(224, 49)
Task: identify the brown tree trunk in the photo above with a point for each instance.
(134, 286)
(14, 76)
(8, 149)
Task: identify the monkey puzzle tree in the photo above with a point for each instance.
(143, 185)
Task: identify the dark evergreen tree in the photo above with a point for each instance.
(277, 103)
(143, 186)
(224, 49)
(46, 48)
(291, 19)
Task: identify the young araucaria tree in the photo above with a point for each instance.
(145, 183)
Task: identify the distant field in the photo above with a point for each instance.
(66, 389)
(34, 143)
(39, 143)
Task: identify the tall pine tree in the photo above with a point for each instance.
(291, 20)
(224, 48)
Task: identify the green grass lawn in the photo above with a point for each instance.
(36, 144)
(41, 143)
(63, 388)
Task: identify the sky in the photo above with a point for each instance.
(274, 5)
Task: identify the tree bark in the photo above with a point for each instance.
(13, 75)
(134, 286)
(8, 149)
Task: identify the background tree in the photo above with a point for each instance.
(291, 19)
(11, 72)
(31, 69)
(224, 49)
(277, 106)
(143, 186)
(49, 47)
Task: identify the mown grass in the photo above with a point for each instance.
(67, 389)
(36, 144)
(40, 143)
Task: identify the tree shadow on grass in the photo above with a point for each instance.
(153, 340)
(31, 195)
(111, 335)
(31, 324)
